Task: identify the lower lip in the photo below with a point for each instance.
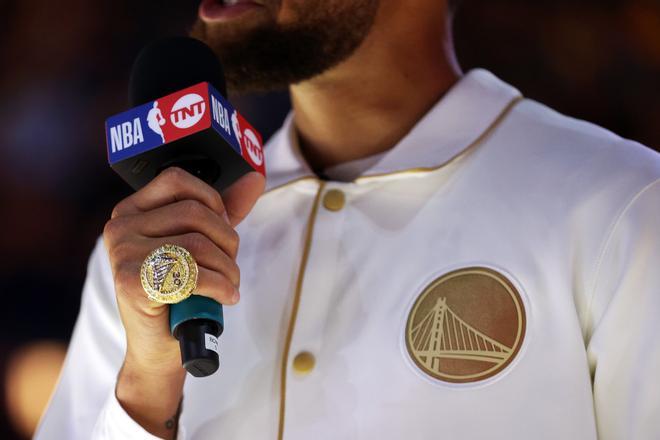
(212, 10)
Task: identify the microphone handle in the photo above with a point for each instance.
(198, 342)
(198, 321)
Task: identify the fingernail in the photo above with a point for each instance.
(235, 297)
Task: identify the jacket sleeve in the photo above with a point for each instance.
(83, 405)
(624, 347)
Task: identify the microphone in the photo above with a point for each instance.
(182, 118)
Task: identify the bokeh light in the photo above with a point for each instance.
(30, 376)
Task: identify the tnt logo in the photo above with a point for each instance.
(250, 142)
(187, 110)
(180, 114)
(253, 147)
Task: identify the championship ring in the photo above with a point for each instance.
(169, 274)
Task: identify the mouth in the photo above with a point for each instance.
(225, 10)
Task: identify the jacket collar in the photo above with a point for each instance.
(458, 120)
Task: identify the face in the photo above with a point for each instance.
(269, 44)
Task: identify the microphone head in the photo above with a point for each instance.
(181, 118)
(172, 64)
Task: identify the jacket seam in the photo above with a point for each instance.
(604, 248)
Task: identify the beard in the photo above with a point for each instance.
(271, 56)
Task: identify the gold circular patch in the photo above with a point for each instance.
(169, 274)
(466, 326)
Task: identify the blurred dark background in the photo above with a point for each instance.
(65, 68)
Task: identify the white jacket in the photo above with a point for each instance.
(494, 275)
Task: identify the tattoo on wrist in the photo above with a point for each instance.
(171, 423)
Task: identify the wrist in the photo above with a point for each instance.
(151, 398)
(165, 362)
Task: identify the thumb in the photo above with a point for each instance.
(240, 197)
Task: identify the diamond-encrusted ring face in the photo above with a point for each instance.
(169, 274)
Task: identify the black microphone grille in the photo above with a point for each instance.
(171, 64)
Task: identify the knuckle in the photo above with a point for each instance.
(195, 243)
(121, 253)
(234, 241)
(192, 209)
(121, 207)
(223, 290)
(109, 230)
(234, 274)
(116, 211)
(172, 173)
(216, 201)
(228, 290)
(113, 229)
(125, 277)
(173, 177)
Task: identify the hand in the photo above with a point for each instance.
(175, 208)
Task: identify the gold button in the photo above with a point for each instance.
(334, 200)
(304, 362)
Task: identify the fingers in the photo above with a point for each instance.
(176, 219)
(210, 284)
(175, 184)
(171, 185)
(205, 253)
(218, 275)
(178, 208)
(241, 196)
(216, 286)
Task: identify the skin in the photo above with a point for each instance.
(411, 62)
(180, 209)
(411, 65)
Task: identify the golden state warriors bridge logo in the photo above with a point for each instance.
(466, 326)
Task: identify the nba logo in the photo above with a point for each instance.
(195, 109)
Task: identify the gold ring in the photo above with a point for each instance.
(169, 274)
